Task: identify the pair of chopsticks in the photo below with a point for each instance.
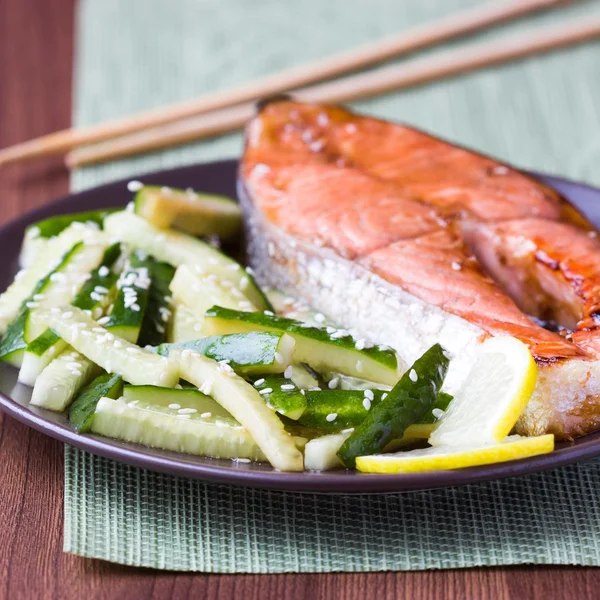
(224, 111)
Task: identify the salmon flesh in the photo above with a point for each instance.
(408, 240)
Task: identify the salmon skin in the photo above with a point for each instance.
(409, 240)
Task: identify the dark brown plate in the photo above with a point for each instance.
(220, 177)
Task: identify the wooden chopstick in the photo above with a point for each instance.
(411, 73)
(464, 23)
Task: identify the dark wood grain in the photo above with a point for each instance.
(36, 39)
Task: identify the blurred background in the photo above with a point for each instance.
(540, 113)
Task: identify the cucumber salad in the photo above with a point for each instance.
(140, 328)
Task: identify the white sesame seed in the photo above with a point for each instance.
(241, 460)
(360, 344)
(134, 185)
(269, 313)
(384, 395)
(456, 266)
(438, 413)
(287, 386)
(333, 383)
(187, 411)
(135, 307)
(369, 394)
(366, 403)
(174, 406)
(278, 358)
(130, 207)
(265, 391)
(102, 321)
(103, 271)
(413, 376)
(288, 372)
(32, 304)
(349, 430)
(331, 417)
(205, 415)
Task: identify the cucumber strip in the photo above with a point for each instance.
(320, 454)
(113, 354)
(408, 401)
(39, 353)
(345, 382)
(282, 396)
(302, 376)
(184, 325)
(189, 211)
(246, 353)
(178, 248)
(191, 434)
(82, 410)
(61, 380)
(318, 348)
(127, 315)
(52, 226)
(200, 292)
(158, 310)
(98, 291)
(188, 400)
(331, 411)
(57, 288)
(26, 280)
(38, 235)
(245, 404)
(94, 296)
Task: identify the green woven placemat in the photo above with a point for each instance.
(542, 113)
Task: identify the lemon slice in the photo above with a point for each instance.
(491, 399)
(452, 457)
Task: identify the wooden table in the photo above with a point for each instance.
(36, 53)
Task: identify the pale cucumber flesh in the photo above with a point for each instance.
(59, 383)
(245, 404)
(113, 354)
(191, 434)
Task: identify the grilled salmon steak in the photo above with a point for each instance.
(409, 240)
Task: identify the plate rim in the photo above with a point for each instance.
(328, 482)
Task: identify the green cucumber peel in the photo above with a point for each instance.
(82, 410)
(158, 308)
(13, 343)
(126, 316)
(282, 396)
(247, 353)
(314, 345)
(89, 297)
(407, 402)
